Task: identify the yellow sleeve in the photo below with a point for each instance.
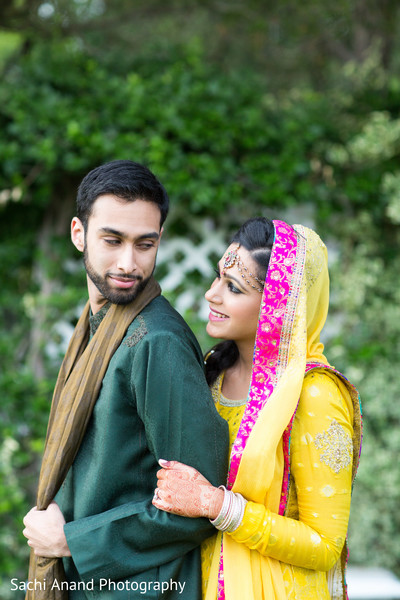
(321, 467)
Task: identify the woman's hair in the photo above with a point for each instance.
(257, 236)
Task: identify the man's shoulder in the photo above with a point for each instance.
(159, 320)
(160, 315)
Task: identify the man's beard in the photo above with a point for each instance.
(115, 296)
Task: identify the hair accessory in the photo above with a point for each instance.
(232, 258)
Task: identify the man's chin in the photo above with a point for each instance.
(123, 297)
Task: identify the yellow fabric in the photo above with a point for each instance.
(233, 416)
(312, 534)
(312, 537)
(250, 574)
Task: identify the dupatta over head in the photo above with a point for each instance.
(293, 311)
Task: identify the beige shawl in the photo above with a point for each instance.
(77, 388)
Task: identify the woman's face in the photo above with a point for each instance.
(234, 303)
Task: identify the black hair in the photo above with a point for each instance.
(257, 236)
(125, 179)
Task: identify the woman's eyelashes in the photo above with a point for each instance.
(231, 286)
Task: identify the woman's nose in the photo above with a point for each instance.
(212, 293)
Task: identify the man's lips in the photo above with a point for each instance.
(123, 282)
(216, 316)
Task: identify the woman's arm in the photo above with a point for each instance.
(321, 466)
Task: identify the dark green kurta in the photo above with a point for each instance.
(154, 403)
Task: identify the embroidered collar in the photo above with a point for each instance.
(95, 320)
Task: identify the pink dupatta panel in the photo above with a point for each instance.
(278, 306)
(271, 349)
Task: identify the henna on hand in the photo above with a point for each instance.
(183, 491)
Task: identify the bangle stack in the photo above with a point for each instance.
(231, 513)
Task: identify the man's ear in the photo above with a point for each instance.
(78, 234)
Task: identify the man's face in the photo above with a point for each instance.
(119, 247)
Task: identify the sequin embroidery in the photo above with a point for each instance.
(96, 319)
(337, 447)
(138, 334)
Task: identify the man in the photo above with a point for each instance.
(130, 391)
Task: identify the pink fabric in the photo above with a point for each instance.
(268, 355)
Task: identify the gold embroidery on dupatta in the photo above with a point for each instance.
(291, 319)
(337, 447)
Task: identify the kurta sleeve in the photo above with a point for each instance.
(171, 397)
(321, 466)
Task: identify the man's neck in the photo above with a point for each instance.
(96, 300)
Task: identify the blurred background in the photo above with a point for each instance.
(286, 109)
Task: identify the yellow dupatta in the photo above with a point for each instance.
(262, 472)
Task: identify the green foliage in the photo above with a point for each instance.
(25, 404)
(9, 43)
(366, 303)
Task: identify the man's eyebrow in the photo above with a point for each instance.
(153, 235)
(149, 236)
(111, 231)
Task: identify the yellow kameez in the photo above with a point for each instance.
(309, 539)
(232, 412)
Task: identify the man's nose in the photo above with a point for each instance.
(127, 260)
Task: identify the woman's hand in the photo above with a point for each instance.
(182, 490)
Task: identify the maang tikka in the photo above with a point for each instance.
(232, 258)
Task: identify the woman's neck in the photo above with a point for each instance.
(236, 383)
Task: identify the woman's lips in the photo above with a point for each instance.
(216, 316)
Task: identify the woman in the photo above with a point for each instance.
(294, 422)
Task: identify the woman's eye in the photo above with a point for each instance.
(232, 288)
(217, 273)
